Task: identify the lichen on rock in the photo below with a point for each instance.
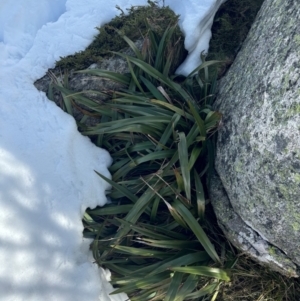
(258, 157)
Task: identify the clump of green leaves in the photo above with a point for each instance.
(157, 236)
(159, 130)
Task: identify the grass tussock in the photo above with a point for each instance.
(159, 130)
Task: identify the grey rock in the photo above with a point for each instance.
(243, 236)
(258, 149)
(78, 82)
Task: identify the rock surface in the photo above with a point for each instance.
(78, 82)
(258, 149)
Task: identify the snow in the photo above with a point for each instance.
(195, 22)
(47, 177)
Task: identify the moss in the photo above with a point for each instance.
(133, 25)
(231, 25)
(230, 28)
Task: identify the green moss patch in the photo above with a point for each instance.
(230, 28)
(133, 25)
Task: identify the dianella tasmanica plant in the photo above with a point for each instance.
(159, 129)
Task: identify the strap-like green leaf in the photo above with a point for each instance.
(204, 271)
(174, 286)
(188, 286)
(156, 94)
(197, 230)
(184, 163)
(200, 198)
(140, 251)
(184, 260)
(198, 119)
(120, 188)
